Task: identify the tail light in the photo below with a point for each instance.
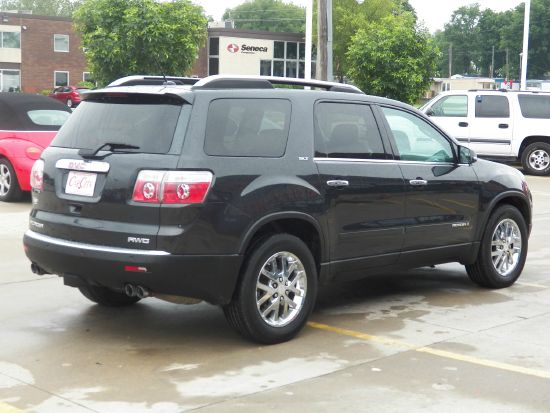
(37, 175)
(33, 152)
(172, 187)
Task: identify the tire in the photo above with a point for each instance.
(69, 103)
(500, 261)
(107, 297)
(9, 185)
(536, 159)
(263, 314)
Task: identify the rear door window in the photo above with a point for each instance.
(347, 130)
(145, 121)
(535, 106)
(489, 106)
(247, 127)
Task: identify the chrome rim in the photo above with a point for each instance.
(539, 159)
(506, 247)
(281, 289)
(5, 180)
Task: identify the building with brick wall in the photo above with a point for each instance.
(39, 52)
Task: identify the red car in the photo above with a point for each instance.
(69, 95)
(28, 123)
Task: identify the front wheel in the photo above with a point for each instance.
(503, 249)
(536, 158)
(107, 297)
(277, 291)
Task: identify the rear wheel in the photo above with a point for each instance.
(107, 297)
(503, 249)
(9, 186)
(536, 158)
(277, 291)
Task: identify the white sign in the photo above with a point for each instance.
(80, 183)
(242, 56)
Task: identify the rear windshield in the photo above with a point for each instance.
(535, 106)
(145, 121)
(247, 127)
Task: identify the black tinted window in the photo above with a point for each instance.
(488, 106)
(345, 130)
(247, 127)
(535, 106)
(140, 120)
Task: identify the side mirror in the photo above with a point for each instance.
(430, 112)
(466, 155)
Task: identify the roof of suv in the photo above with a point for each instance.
(184, 87)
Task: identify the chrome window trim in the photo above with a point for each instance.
(398, 161)
(92, 247)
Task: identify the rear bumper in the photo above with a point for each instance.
(209, 277)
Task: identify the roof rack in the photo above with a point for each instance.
(267, 82)
(138, 80)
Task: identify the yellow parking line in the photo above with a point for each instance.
(7, 408)
(428, 350)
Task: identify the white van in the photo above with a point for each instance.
(498, 124)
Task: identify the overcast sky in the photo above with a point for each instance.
(434, 13)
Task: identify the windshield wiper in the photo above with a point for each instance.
(110, 146)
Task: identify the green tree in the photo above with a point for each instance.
(43, 7)
(125, 37)
(268, 15)
(393, 57)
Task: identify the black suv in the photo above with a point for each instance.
(248, 195)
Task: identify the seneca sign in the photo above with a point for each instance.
(233, 48)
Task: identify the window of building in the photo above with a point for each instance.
(87, 77)
(279, 50)
(344, 130)
(10, 40)
(214, 56)
(61, 42)
(247, 127)
(10, 80)
(61, 78)
(288, 60)
(489, 106)
(265, 67)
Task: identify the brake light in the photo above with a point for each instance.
(172, 187)
(37, 175)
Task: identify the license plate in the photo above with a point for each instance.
(80, 183)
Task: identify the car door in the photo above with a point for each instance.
(363, 187)
(442, 197)
(492, 126)
(451, 114)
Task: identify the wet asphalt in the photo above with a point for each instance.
(425, 340)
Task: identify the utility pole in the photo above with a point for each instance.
(322, 37)
(330, 74)
(309, 30)
(523, 85)
(450, 59)
(492, 63)
(507, 64)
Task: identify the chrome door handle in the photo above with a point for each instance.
(418, 182)
(337, 183)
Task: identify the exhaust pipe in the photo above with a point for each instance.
(38, 270)
(130, 290)
(142, 292)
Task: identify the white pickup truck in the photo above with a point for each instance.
(498, 124)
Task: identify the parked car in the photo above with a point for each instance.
(69, 95)
(249, 196)
(28, 123)
(501, 125)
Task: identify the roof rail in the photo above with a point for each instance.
(267, 82)
(153, 80)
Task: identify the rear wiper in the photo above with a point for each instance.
(110, 146)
